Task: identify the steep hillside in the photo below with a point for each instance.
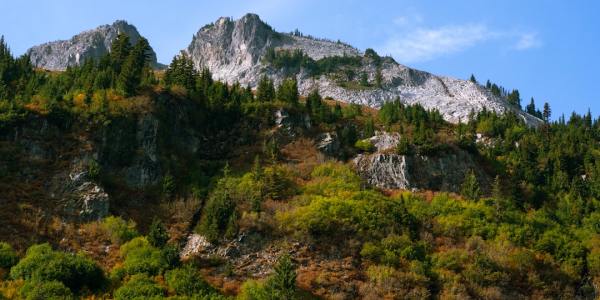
(238, 51)
(91, 44)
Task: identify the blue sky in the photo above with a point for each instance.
(547, 49)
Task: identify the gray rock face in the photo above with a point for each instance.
(233, 51)
(83, 199)
(446, 171)
(91, 44)
(328, 143)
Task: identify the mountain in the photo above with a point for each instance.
(90, 44)
(238, 50)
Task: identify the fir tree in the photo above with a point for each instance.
(547, 112)
(288, 91)
(472, 79)
(470, 187)
(157, 235)
(265, 91)
(181, 72)
(283, 282)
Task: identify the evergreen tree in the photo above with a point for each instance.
(181, 72)
(204, 84)
(472, 79)
(313, 102)
(288, 91)
(547, 112)
(157, 235)
(283, 283)
(119, 51)
(470, 187)
(514, 98)
(265, 91)
(133, 67)
(530, 108)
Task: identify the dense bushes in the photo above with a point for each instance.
(140, 286)
(119, 230)
(43, 264)
(41, 290)
(339, 208)
(141, 257)
(8, 256)
(186, 281)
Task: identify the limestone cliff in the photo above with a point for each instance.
(234, 50)
(90, 44)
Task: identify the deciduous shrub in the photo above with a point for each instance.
(364, 145)
(119, 230)
(139, 286)
(41, 263)
(141, 257)
(42, 290)
(8, 256)
(186, 281)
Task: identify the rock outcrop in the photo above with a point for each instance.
(91, 44)
(445, 171)
(234, 50)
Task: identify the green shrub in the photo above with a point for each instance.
(44, 264)
(403, 147)
(364, 145)
(141, 257)
(93, 169)
(331, 179)
(470, 187)
(253, 290)
(168, 185)
(8, 256)
(139, 286)
(42, 290)
(187, 282)
(120, 231)
(170, 254)
(157, 235)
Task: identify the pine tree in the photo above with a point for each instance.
(133, 67)
(288, 91)
(313, 102)
(204, 83)
(157, 235)
(265, 91)
(282, 284)
(514, 98)
(547, 112)
(119, 51)
(472, 79)
(181, 72)
(470, 187)
(530, 108)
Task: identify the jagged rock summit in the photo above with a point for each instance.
(90, 44)
(234, 50)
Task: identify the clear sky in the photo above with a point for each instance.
(549, 50)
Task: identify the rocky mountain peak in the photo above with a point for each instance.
(234, 51)
(90, 44)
